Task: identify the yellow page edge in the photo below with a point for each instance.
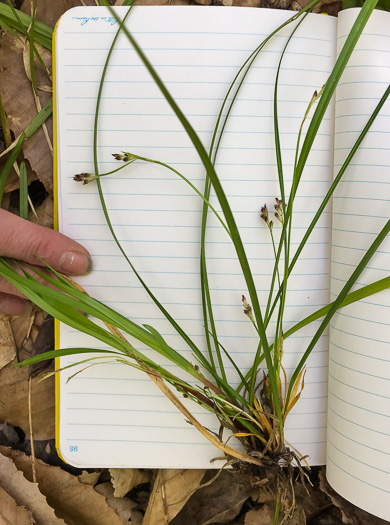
(55, 225)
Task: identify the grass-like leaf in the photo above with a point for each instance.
(42, 33)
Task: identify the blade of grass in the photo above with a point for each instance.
(33, 126)
(17, 145)
(64, 352)
(322, 106)
(79, 300)
(42, 33)
(29, 34)
(9, 163)
(328, 92)
(338, 301)
(331, 190)
(173, 323)
(244, 69)
(279, 164)
(23, 191)
(192, 186)
(110, 316)
(226, 210)
(350, 298)
(30, 37)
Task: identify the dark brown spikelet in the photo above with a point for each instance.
(118, 156)
(84, 177)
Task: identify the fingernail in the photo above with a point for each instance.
(75, 263)
(12, 305)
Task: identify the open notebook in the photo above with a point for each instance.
(113, 415)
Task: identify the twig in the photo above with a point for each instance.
(34, 474)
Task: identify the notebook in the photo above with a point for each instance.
(113, 415)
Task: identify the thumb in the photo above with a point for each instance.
(23, 240)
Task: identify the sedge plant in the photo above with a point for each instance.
(255, 411)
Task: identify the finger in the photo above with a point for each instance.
(23, 240)
(12, 305)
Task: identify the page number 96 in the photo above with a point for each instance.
(73, 448)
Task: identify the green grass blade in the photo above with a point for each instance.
(39, 119)
(338, 301)
(332, 82)
(23, 191)
(322, 106)
(66, 309)
(173, 323)
(42, 33)
(64, 352)
(29, 34)
(238, 371)
(244, 69)
(331, 190)
(9, 163)
(241, 254)
(34, 125)
(352, 297)
(77, 300)
(17, 145)
(187, 181)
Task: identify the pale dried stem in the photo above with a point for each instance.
(34, 474)
(229, 451)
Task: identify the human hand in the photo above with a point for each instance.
(24, 240)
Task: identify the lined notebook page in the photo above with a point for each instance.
(113, 415)
(358, 463)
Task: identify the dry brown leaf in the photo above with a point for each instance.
(23, 492)
(260, 516)
(137, 518)
(122, 506)
(25, 329)
(125, 479)
(330, 7)
(265, 516)
(7, 342)
(49, 11)
(73, 501)
(11, 513)
(27, 67)
(163, 2)
(5, 203)
(44, 213)
(240, 3)
(14, 401)
(219, 502)
(89, 478)
(350, 514)
(171, 490)
(19, 104)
